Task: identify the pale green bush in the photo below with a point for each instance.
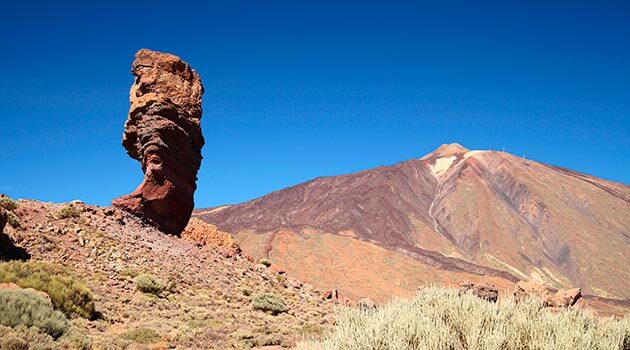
(142, 336)
(269, 302)
(148, 284)
(67, 294)
(440, 319)
(23, 308)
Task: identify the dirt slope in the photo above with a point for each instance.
(209, 299)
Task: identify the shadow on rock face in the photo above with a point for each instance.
(9, 251)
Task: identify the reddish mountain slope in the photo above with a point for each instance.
(453, 214)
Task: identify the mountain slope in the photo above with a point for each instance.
(451, 214)
(209, 297)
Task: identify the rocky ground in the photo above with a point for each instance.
(208, 301)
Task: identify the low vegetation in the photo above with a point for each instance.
(66, 293)
(265, 261)
(24, 308)
(142, 336)
(13, 220)
(8, 203)
(69, 211)
(147, 283)
(269, 302)
(440, 319)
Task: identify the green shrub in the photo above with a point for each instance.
(269, 302)
(8, 203)
(66, 293)
(20, 307)
(13, 220)
(69, 211)
(265, 262)
(440, 319)
(246, 292)
(130, 271)
(148, 284)
(142, 336)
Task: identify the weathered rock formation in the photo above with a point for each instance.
(163, 132)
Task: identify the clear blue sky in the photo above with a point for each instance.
(296, 90)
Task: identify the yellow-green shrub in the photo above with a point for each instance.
(69, 211)
(142, 336)
(148, 284)
(269, 302)
(66, 293)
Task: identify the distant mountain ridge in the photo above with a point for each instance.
(452, 214)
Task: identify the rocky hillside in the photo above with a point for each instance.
(209, 292)
(453, 214)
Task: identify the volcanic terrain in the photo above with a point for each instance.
(449, 216)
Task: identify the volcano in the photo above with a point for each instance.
(454, 214)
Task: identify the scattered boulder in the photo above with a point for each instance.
(484, 291)
(163, 132)
(366, 304)
(527, 288)
(560, 299)
(564, 298)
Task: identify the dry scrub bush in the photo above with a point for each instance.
(69, 211)
(440, 319)
(269, 302)
(8, 203)
(66, 293)
(25, 338)
(24, 308)
(147, 283)
(142, 336)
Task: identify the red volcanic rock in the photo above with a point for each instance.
(562, 298)
(527, 288)
(163, 132)
(484, 291)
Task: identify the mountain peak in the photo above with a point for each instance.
(447, 150)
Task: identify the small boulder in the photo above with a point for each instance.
(564, 298)
(484, 291)
(366, 304)
(561, 298)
